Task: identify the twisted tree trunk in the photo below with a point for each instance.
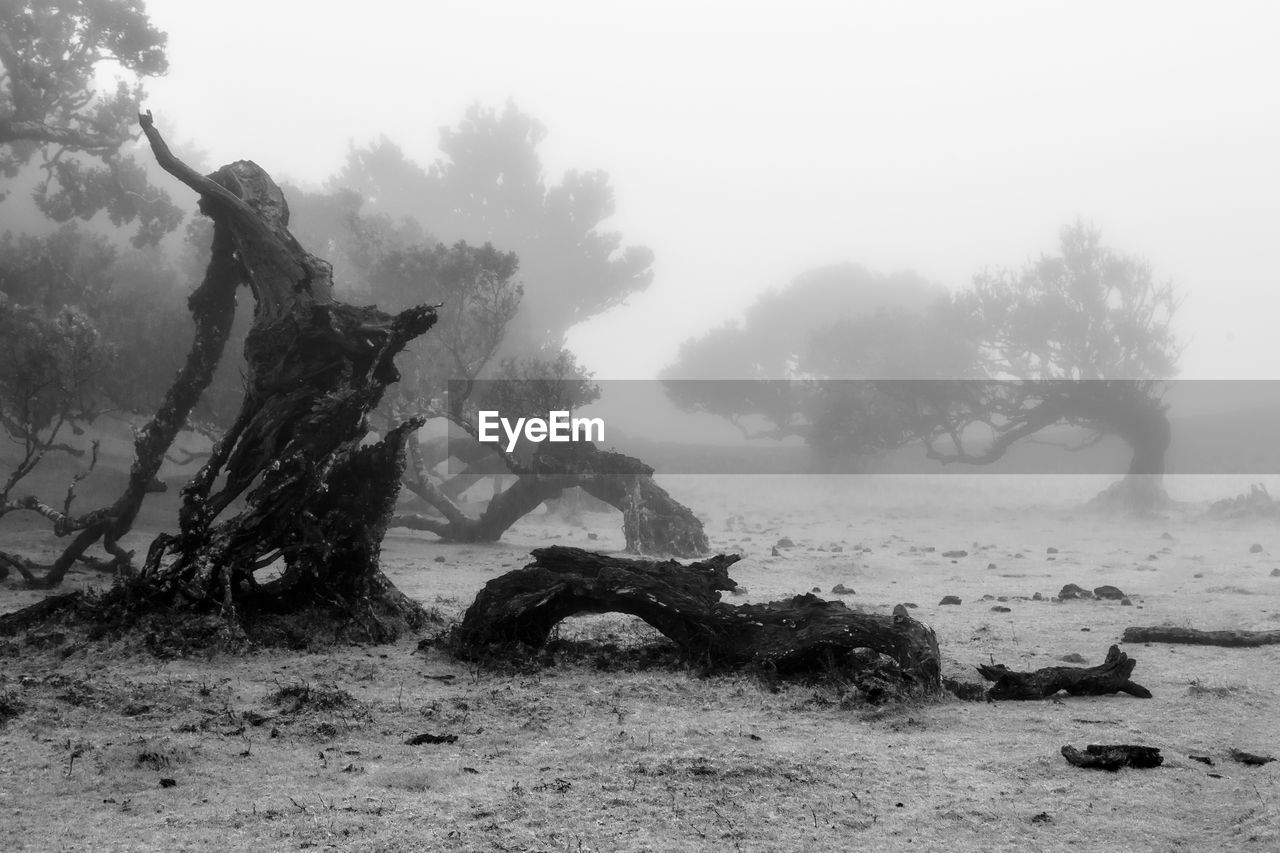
(653, 522)
(316, 502)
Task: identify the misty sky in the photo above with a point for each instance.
(749, 142)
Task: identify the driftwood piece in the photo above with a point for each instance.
(1110, 676)
(804, 633)
(1169, 634)
(1113, 756)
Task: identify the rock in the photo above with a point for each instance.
(784, 542)
(1109, 592)
(1072, 658)
(949, 599)
(1037, 597)
(440, 559)
(1151, 557)
(774, 552)
(816, 589)
(837, 549)
(1000, 608)
(1125, 602)
(1275, 573)
(593, 536)
(988, 597)
(991, 565)
(955, 554)
(1071, 591)
(1051, 550)
(1167, 535)
(841, 589)
(1198, 575)
(1255, 548)
(910, 605)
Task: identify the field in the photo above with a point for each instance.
(609, 747)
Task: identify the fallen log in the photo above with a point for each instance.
(1169, 634)
(1113, 756)
(800, 634)
(1110, 676)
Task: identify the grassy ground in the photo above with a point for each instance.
(106, 747)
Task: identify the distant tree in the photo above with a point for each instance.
(777, 373)
(489, 186)
(53, 114)
(1081, 338)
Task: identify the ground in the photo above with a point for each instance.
(282, 750)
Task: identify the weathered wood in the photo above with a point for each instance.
(316, 499)
(1110, 676)
(800, 634)
(1113, 756)
(1231, 638)
(654, 523)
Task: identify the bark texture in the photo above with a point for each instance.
(1110, 676)
(288, 513)
(800, 634)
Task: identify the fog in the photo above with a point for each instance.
(747, 143)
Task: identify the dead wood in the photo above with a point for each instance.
(1113, 756)
(1110, 676)
(1231, 638)
(654, 523)
(800, 634)
(317, 498)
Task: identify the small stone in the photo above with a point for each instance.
(1071, 591)
(910, 604)
(1275, 573)
(949, 599)
(1074, 657)
(1037, 597)
(440, 559)
(991, 565)
(841, 589)
(955, 554)
(1051, 550)
(784, 542)
(1000, 608)
(1125, 602)
(774, 552)
(1109, 592)
(1167, 535)
(1198, 575)
(1002, 598)
(593, 536)
(1255, 548)
(837, 549)
(816, 589)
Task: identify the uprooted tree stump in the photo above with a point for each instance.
(796, 635)
(1110, 676)
(316, 498)
(1232, 639)
(653, 522)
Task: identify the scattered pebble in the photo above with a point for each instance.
(949, 599)
(1108, 592)
(784, 542)
(440, 559)
(1000, 608)
(1255, 548)
(1074, 657)
(841, 589)
(955, 554)
(1071, 591)
(774, 552)
(1051, 550)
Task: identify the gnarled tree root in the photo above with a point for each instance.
(1110, 676)
(796, 635)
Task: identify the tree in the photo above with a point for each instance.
(1081, 338)
(50, 108)
(489, 187)
(784, 370)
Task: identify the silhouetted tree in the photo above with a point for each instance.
(1081, 338)
(489, 186)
